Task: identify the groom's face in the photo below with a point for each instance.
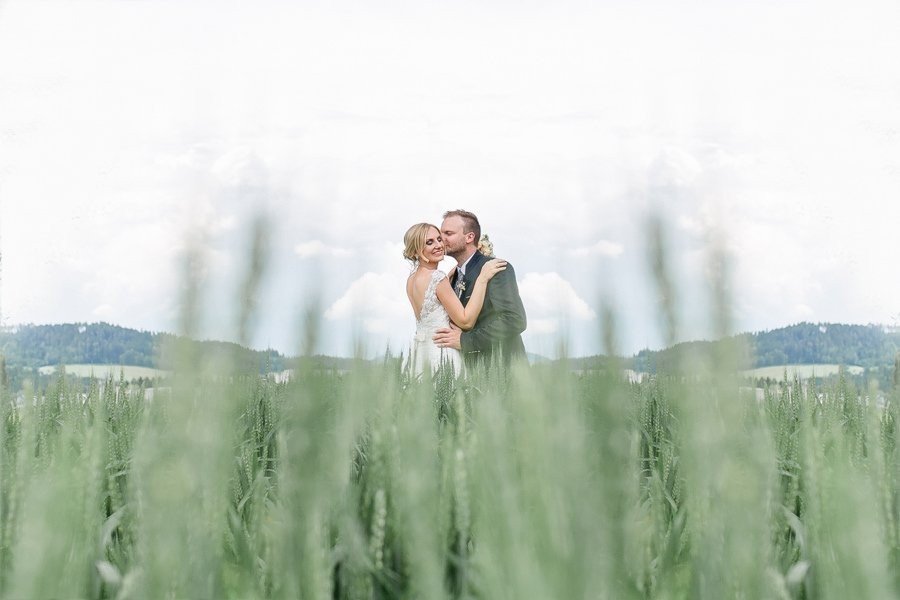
(454, 238)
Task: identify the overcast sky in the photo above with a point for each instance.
(130, 130)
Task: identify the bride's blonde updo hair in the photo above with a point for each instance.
(414, 241)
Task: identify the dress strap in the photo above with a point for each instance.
(436, 278)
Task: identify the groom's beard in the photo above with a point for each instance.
(455, 252)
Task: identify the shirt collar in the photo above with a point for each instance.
(462, 268)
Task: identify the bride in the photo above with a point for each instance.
(433, 300)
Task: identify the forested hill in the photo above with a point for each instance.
(870, 346)
(807, 343)
(33, 346)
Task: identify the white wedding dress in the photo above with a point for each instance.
(423, 353)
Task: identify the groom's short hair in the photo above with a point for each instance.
(470, 222)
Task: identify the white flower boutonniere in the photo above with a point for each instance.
(460, 287)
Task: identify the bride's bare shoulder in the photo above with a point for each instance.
(414, 281)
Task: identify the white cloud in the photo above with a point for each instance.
(601, 248)
(691, 225)
(375, 299)
(319, 248)
(674, 167)
(549, 301)
(539, 326)
(802, 311)
(102, 312)
(240, 167)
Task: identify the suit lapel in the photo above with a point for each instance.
(453, 278)
(473, 269)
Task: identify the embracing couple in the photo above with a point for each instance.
(475, 316)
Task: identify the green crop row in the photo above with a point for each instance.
(533, 483)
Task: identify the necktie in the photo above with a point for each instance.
(458, 286)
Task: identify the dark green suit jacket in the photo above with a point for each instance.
(496, 334)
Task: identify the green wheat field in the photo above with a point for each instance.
(534, 483)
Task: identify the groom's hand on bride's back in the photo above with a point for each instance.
(447, 337)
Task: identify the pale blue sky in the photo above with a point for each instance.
(126, 124)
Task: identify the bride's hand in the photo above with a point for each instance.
(491, 268)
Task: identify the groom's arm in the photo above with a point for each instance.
(507, 320)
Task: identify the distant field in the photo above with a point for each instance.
(103, 371)
(804, 371)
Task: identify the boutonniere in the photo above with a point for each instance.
(460, 287)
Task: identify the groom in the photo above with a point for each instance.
(496, 333)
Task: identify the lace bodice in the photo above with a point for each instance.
(424, 355)
(433, 315)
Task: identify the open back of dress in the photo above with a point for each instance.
(423, 351)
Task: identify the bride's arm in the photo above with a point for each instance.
(465, 316)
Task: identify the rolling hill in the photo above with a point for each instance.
(29, 347)
(867, 346)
